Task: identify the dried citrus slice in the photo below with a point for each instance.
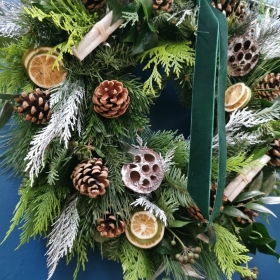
(30, 52)
(41, 71)
(242, 102)
(234, 93)
(144, 230)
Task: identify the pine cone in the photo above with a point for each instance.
(93, 5)
(111, 226)
(35, 106)
(90, 177)
(274, 153)
(194, 211)
(110, 99)
(165, 5)
(231, 8)
(269, 87)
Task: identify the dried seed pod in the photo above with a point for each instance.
(145, 173)
(243, 55)
(165, 5)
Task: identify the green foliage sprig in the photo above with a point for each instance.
(169, 56)
(74, 19)
(230, 253)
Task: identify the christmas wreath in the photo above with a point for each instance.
(93, 172)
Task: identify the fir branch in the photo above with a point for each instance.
(168, 203)
(136, 262)
(9, 17)
(13, 76)
(63, 234)
(152, 208)
(22, 205)
(177, 183)
(230, 253)
(234, 164)
(111, 249)
(170, 56)
(66, 118)
(43, 207)
(16, 141)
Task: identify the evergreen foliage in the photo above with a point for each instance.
(230, 253)
(13, 76)
(170, 56)
(135, 262)
(68, 16)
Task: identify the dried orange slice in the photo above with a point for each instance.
(30, 52)
(241, 102)
(234, 93)
(41, 71)
(144, 230)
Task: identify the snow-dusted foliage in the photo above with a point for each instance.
(63, 234)
(66, 118)
(8, 19)
(167, 161)
(152, 208)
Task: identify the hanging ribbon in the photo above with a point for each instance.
(209, 87)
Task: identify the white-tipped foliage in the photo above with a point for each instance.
(167, 161)
(66, 118)
(239, 119)
(63, 234)
(152, 208)
(9, 13)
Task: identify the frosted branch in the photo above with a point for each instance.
(152, 208)
(167, 161)
(9, 15)
(63, 234)
(66, 117)
(140, 145)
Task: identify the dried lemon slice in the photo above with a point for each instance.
(144, 230)
(234, 93)
(41, 71)
(241, 102)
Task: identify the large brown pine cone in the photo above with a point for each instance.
(90, 177)
(269, 87)
(165, 5)
(111, 225)
(93, 5)
(34, 106)
(110, 99)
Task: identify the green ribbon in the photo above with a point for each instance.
(209, 86)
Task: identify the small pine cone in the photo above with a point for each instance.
(34, 106)
(274, 153)
(93, 5)
(165, 5)
(111, 226)
(90, 177)
(269, 87)
(110, 99)
(194, 211)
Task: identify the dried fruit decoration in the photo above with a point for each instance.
(144, 230)
(145, 173)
